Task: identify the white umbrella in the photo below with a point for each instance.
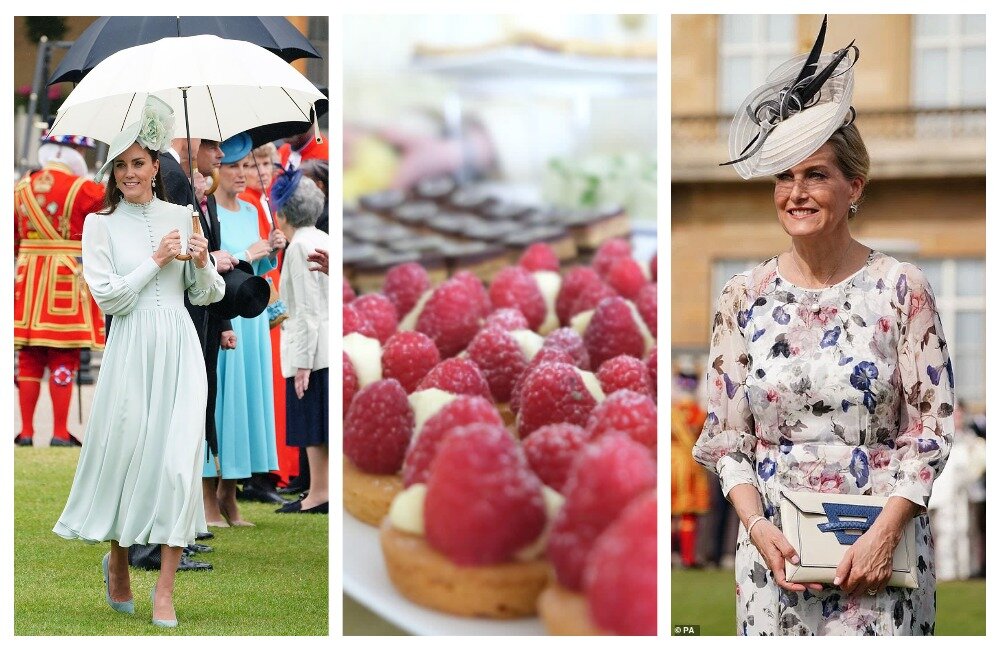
(230, 87)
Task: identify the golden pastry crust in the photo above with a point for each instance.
(565, 612)
(368, 496)
(428, 578)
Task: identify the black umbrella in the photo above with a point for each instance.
(109, 34)
(280, 130)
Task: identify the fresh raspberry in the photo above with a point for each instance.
(408, 357)
(355, 321)
(550, 451)
(403, 286)
(477, 290)
(613, 331)
(627, 412)
(619, 577)
(448, 319)
(554, 392)
(591, 296)
(604, 478)
(515, 287)
(483, 503)
(378, 427)
(507, 318)
(607, 253)
(645, 302)
(569, 341)
(651, 366)
(350, 383)
(576, 281)
(539, 257)
(459, 412)
(652, 268)
(626, 277)
(624, 371)
(380, 312)
(458, 376)
(500, 359)
(545, 355)
(349, 294)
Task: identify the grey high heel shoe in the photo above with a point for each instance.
(127, 607)
(159, 622)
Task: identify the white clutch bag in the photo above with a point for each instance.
(821, 527)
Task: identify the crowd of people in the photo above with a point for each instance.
(214, 371)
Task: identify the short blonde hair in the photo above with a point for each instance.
(851, 152)
(266, 150)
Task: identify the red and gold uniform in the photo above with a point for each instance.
(54, 314)
(689, 487)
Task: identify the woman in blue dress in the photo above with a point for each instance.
(244, 412)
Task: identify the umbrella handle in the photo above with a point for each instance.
(215, 183)
(196, 227)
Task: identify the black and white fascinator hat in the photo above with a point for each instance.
(803, 102)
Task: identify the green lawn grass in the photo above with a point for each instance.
(269, 580)
(708, 598)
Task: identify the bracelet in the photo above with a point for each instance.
(756, 519)
(247, 251)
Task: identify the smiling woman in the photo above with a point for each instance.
(829, 373)
(136, 481)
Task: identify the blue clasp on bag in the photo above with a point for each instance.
(834, 511)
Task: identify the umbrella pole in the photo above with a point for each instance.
(195, 214)
(265, 202)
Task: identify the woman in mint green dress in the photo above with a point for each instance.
(244, 412)
(138, 479)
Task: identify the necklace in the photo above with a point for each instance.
(815, 308)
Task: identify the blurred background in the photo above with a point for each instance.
(541, 111)
(920, 95)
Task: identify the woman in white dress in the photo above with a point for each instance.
(138, 480)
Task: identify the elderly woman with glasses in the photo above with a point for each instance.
(305, 334)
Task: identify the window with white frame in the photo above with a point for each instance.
(949, 60)
(959, 287)
(749, 48)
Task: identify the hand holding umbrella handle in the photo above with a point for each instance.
(196, 227)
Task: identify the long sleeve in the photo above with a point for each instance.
(926, 424)
(204, 286)
(728, 443)
(302, 329)
(115, 294)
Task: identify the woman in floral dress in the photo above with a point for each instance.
(829, 372)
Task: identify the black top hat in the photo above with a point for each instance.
(246, 293)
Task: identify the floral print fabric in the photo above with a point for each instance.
(845, 390)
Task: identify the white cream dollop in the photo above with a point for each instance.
(409, 321)
(407, 510)
(425, 404)
(549, 283)
(529, 342)
(366, 357)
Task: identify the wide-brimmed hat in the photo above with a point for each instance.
(154, 130)
(236, 148)
(802, 103)
(246, 295)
